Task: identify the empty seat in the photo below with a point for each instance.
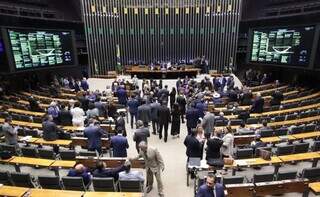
(67, 154)
(244, 153)
(265, 119)
(31, 132)
(252, 121)
(103, 184)
(313, 174)
(73, 183)
(274, 108)
(281, 131)
(301, 147)
(220, 123)
(285, 150)
(10, 148)
(29, 152)
(49, 182)
(25, 118)
(46, 153)
(316, 146)
(291, 117)
(263, 177)
(232, 180)
(297, 129)
(284, 175)
(88, 153)
(266, 133)
(304, 115)
(310, 128)
(22, 179)
(235, 122)
(279, 118)
(4, 178)
(130, 186)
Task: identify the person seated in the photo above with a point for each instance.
(257, 143)
(80, 171)
(257, 105)
(210, 188)
(102, 171)
(242, 130)
(276, 99)
(264, 127)
(34, 105)
(129, 174)
(92, 112)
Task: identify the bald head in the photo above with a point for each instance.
(79, 168)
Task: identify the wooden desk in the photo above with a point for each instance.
(63, 164)
(82, 141)
(301, 98)
(54, 193)
(42, 105)
(46, 98)
(302, 136)
(300, 157)
(13, 191)
(315, 187)
(111, 162)
(41, 141)
(270, 90)
(276, 139)
(73, 128)
(31, 161)
(26, 112)
(112, 194)
(243, 139)
(281, 187)
(240, 190)
(262, 86)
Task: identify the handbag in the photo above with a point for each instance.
(228, 161)
(264, 154)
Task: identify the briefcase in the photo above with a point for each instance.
(264, 154)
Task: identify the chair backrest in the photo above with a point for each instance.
(46, 153)
(103, 184)
(285, 150)
(130, 186)
(5, 178)
(232, 180)
(73, 183)
(297, 129)
(266, 133)
(263, 177)
(33, 133)
(279, 118)
(257, 151)
(49, 182)
(310, 128)
(252, 121)
(29, 152)
(286, 175)
(67, 154)
(316, 146)
(313, 174)
(88, 153)
(244, 153)
(235, 122)
(21, 179)
(281, 131)
(10, 148)
(301, 147)
(291, 116)
(220, 123)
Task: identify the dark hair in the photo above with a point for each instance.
(8, 119)
(63, 106)
(91, 105)
(99, 165)
(242, 124)
(127, 168)
(264, 123)
(194, 132)
(77, 104)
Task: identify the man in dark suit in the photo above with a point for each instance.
(193, 145)
(210, 188)
(192, 116)
(102, 171)
(133, 105)
(154, 116)
(122, 95)
(276, 99)
(94, 134)
(144, 113)
(100, 106)
(64, 116)
(257, 105)
(50, 129)
(246, 98)
(141, 134)
(119, 144)
(164, 119)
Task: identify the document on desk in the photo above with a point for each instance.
(241, 162)
(26, 138)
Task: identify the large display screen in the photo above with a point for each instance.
(289, 46)
(41, 48)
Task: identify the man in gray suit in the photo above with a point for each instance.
(208, 123)
(141, 134)
(144, 113)
(154, 165)
(10, 134)
(50, 129)
(154, 116)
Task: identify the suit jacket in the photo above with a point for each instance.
(65, 117)
(208, 122)
(192, 116)
(101, 107)
(277, 97)
(144, 113)
(133, 105)
(50, 131)
(257, 106)
(246, 98)
(153, 160)
(11, 135)
(205, 191)
(213, 148)
(119, 144)
(164, 115)
(94, 134)
(194, 147)
(154, 111)
(122, 96)
(141, 134)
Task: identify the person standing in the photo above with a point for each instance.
(78, 115)
(164, 119)
(144, 113)
(193, 145)
(10, 134)
(172, 97)
(133, 105)
(192, 116)
(119, 145)
(122, 95)
(181, 100)
(154, 116)
(228, 141)
(208, 123)
(154, 165)
(175, 117)
(94, 134)
(141, 134)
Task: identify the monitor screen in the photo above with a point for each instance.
(40, 48)
(288, 46)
